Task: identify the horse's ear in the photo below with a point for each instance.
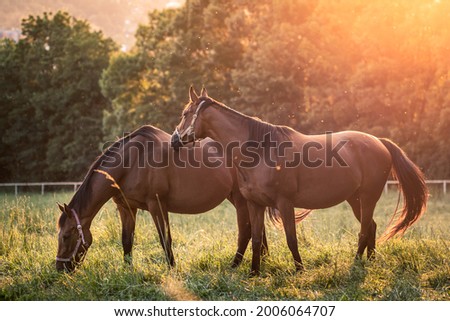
(67, 210)
(204, 93)
(193, 95)
(61, 208)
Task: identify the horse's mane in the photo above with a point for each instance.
(258, 128)
(82, 195)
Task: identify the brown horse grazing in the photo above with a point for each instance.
(281, 168)
(141, 171)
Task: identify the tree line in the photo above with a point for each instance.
(381, 67)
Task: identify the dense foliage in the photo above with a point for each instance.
(51, 102)
(375, 66)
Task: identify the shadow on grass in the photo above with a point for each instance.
(23, 284)
(346, 285)
(86, 283)
(405, 284)
(212, 278)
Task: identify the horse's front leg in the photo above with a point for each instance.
(128, 218)
(160, 216)
(256, 214)
(244, 236)
(244, 228)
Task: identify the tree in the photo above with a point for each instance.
(9, 87)
(174, 49)
(379, 67)
(138, 83)
(56, 112)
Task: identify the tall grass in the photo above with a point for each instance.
(415, 267)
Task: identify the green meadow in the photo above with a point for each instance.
(415, 267)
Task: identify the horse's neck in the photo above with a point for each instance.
(91, 196)
(228, 126)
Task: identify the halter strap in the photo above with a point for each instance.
(189, 129)
(81, 240)
(194, 118)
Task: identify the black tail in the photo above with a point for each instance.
(275, 216)
(412, 186)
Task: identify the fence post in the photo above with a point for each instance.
(16, 190)
(42, 189)
(444, 183)
(386, 188)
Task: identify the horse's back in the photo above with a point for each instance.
(350, 161)
(351, 147)
(182, 179)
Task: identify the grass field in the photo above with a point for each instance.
(416, 267)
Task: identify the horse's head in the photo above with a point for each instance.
(73, 240)
(189, 129)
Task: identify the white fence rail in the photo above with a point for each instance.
(42, 185)
(75, 185)
(442, 182)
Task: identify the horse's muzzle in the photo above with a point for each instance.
(175, 141)
(67, 267)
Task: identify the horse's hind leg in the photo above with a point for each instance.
(265, 245)
(355, 203)
(367, 233)
(161, 219)
(128, 218)
(371, 242)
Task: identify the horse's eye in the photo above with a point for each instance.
(67, 235)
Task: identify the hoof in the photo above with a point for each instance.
(299, 267)
(264, 251)
(254, 273)
(128, 259)
(237, 260)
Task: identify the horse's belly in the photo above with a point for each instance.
(314, 202)
(198, 193)
(195, 205)
(320, 192)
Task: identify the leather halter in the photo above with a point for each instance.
(189, 130)
(81, 240)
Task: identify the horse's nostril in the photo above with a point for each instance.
(59, 267)
(66, 267)
(177, 146)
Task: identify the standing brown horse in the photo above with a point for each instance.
(141, 171)
(281, 168)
